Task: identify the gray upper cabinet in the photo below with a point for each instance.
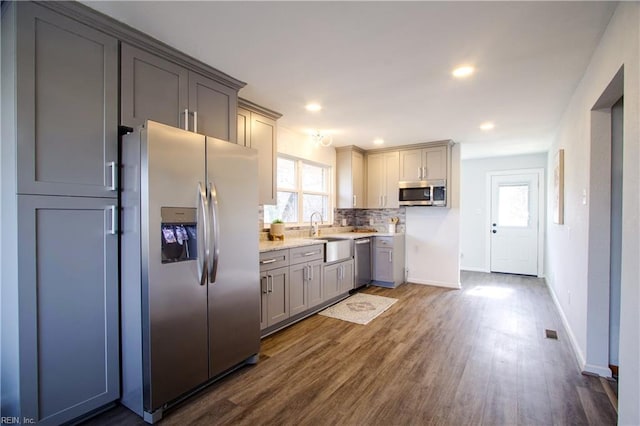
(350, 178)
(382, 180)
(212, 108)
(424, 164)
(68, 268)
(154, 88)
(257, 128)
(67, 114)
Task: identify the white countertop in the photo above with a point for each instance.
(288, 243)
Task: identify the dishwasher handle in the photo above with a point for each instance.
(363, 241)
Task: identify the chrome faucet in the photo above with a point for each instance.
(314, 231)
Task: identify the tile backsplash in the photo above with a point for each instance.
(371, 218)
(355, 218)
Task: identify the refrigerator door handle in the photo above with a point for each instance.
(203, 246)
(214, 231)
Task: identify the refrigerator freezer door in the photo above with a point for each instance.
(175, 304)
(234, 297)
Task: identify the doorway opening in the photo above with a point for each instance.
(605, 230)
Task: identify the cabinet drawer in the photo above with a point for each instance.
(384, 241)
(306, 254)
(274, 259)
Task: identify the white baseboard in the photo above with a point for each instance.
(572, 338)
(597, 369)
(474, 269)
(434, 283)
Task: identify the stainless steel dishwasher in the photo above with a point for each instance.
(363, 261)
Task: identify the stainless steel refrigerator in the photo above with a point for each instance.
(190, 290)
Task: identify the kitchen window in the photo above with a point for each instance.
(303, 188)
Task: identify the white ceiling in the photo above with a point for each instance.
(383, 69)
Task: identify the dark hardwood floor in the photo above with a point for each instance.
(451, 357)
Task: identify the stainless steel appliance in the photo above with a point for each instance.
(189, 256)
(362, 260)
(423, 193)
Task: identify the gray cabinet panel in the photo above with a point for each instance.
(243, 136)
(277, 299)
(214, 105)
(298, 292)
(331, 284)
(67, 110)
(383, 264)
(263, 138)
(314, 284)
(68, 267)
(152, 88)
(347, 278)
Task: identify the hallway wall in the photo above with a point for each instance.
(568, 245)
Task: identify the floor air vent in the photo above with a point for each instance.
(551, 334)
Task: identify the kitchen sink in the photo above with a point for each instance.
(336, 249)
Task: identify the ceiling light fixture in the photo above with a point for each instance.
(487, 126)
(378, 141)
(323, 139)
(462, 72)
(313, 107)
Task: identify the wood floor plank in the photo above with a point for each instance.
(474, 356)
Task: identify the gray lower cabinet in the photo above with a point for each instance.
(66, 83)
(338, 278)
(388, 260)
(157, 89)
(68, 299)
(305, 286)
(275, 296)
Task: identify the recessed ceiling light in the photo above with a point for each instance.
(313, 107)
(487, 126)
(378, 141)
(462, 72)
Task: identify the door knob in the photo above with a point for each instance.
(494, 231)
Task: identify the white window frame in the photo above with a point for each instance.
(299, 162)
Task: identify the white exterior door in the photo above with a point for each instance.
(514, 223)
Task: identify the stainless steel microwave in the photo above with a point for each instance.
(423, 193)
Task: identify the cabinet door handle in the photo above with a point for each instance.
(266, 262)
(354, 201)
(419, 173)
(305, 274)
(265, 288)
(112, 229)
(269, 287)
(310, 272)
(390, 257)
(112, 166)
(309, 253)
(195, 121)
(186, 118)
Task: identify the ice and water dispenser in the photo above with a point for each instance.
(179, 234)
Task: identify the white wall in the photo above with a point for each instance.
(433, 237)
(568, 245)
(474, 211)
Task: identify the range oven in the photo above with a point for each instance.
(423, 193)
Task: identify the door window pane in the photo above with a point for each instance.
(313, 178)
(315, 203)
(286, 173)
(513, 205)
